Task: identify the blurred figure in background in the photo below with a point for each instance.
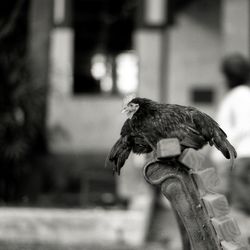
(234, 117)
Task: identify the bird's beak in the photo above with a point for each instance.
(125, 110)
(130, 110)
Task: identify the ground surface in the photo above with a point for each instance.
(15, 246)
(163, 235)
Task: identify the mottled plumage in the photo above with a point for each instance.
(150, 122)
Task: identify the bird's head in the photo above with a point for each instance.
(131, 105)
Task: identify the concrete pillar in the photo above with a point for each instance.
(62, 49)
(148, 45)
(235, 26)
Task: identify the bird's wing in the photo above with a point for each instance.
(141, 145)
(202, 129)
(206, 125)
(171, 121)
(191, 138)
(121, 149)
(126, 128)
(119, 154)
(210, 129)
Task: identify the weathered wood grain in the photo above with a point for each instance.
(226, 228)
(177, 185)
(216, 205)
(189, 187)
(168, 148)
(192, 159)
(205, 180)
(232, 246)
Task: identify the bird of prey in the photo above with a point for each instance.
(148, 122)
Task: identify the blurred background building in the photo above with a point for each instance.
(65, 66)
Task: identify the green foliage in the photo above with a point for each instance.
(17, 127)
(21, 104)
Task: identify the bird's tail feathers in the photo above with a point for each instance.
(118, 155)
(113, 152)
(226, 148)
(233, 155)
(121, 160)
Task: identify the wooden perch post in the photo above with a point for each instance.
(202, 214)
